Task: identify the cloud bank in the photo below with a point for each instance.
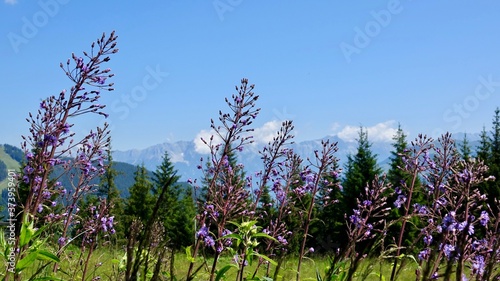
(381, 132)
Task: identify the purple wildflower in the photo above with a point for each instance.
(29, 156)
(203, 232)
(399, 201)
(484, 218)
(209, 241)
(428, 239)
(448, 249)
(61, 241)
(28, 170)
(355, 219)
(282, 240)
(478, 265)
(424, 254)
(461, 226)
(471, 229)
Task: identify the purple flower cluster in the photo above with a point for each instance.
(484, 218)
(449, 229)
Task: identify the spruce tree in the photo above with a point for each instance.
(185, 219)
(495, 139)
(483, 150)
(108, 190)
(140, 202)
(489, 152)
(265, 210)
(329, 229)
(493, 187)
(464, 149)
(177, 207)
(397, 177)
(361, 170)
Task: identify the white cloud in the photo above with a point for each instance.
(265, 134)
(10, 2)
(200, 146)
(261, 135)
(381, 132)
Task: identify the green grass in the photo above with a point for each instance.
(10, 163)
(105, 263)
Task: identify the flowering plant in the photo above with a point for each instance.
(47, 209)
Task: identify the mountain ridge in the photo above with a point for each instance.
(185, 156)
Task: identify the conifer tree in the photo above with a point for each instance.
(177, 207)
(495, 139)
(107, 189)
(493, 187)
(329, 229)
(464, 149)
(184, 223)
(483, 150)
(361, 170)
(397, 177)
(489, 152)
(265, 210)
(161, 177)
(140, 202)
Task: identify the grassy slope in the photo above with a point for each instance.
(11, 164)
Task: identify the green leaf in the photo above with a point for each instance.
(234, 236)
(26, 233)
(40, 230)
(380, 276)
(26, 261)
(263, 235)
(47, 256)
(266, 258)
(5, 245)
(221, 272)
(48, 278)
(115, 261)
(318, 276)
(189, 256)
(248, 224)
(235, 224)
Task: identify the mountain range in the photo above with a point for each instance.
(186, 155)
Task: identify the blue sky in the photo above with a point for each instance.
(331, 66)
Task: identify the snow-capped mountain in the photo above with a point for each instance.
(186, 157)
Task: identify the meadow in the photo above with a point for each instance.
(111, 267)
(433, 215)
